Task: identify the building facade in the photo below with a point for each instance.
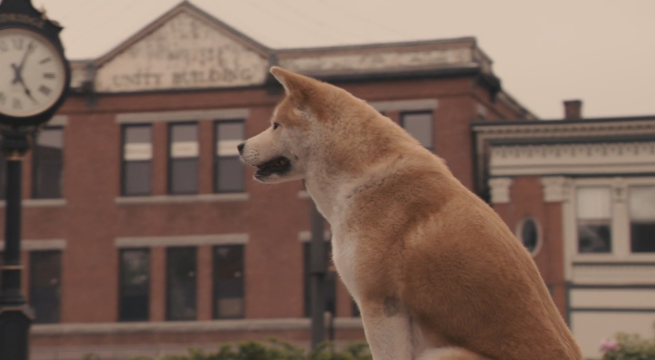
(580, 194)
(143, 232)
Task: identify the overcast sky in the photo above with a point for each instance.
(599, 51)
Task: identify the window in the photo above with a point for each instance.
(642, 219)
(181, 283)
(3, 176)
(228, 282)
(45, 285)
(134, 285)
(137, 160)
(528, 234)
(420, 126)
(594, 216)
(229, 169)
(183, 165)
(330, 282)
(355, 310)
(48, 163)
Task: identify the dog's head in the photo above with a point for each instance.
(281, 152)
(320, 129)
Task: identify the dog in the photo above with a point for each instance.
(434, 270)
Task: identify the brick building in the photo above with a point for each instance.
(580, 194)
(143, 232)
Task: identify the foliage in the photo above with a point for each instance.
(273, 350)
(628, 347)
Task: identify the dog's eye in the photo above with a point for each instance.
(275, 126)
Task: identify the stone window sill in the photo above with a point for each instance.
(39, 203)
(181, 199)
(187, 326)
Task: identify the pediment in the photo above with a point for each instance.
(185, 49)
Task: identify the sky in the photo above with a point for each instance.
(599, 51)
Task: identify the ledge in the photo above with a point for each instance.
(38, 203)
(303, 194)
(187, 326)
(197, 240)
(306, 236)
(181, 199)
(47, 244)
(44, 202)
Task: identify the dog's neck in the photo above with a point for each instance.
(329, 189)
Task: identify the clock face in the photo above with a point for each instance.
(32, 74)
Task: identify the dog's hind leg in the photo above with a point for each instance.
(449, 353)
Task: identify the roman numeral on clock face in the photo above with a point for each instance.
(3, 99)
(44, 90)
(16, 104)
(49, 75)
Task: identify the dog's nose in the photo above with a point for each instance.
(240, 147)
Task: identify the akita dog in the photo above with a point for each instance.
(434, 270)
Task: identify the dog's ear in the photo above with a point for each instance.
(298, 87)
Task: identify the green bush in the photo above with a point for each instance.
(273, 350)
(628, 347)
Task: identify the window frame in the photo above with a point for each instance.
(169, 153)
(123, 179)
(31, 285)
(35, 164)
(167, 302)
(620, 221)
(214, 295)
(216, 157)
(519, 233)
(120, 285)
(420, 112)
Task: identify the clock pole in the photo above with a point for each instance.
(21, 23)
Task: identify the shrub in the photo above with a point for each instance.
(273, 350)
(628, 347)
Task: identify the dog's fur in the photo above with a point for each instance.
(434, 270)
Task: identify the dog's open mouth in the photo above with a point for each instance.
(278, 165)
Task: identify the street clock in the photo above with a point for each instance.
(34, 73)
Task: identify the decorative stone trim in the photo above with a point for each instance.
(181, 199)
(591, 158)
(500, 190)
(555, 188)
(39, 203)
(187, 326)
(188, 115)
(406, 105)
(306, 236)
(303, 194)
(32, 245)
(58, 120)
(188, 240)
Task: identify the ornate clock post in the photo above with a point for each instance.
(34, 82)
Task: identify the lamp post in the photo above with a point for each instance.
(34, 83)
(317, 271)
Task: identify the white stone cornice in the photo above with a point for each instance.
(561, 159)
(555, 188)
(549, 129)
(500, 190)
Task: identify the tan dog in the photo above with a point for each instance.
(435, 272)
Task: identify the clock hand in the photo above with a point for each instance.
(19, 69)
(27, 91)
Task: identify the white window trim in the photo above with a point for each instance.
(189, 240)
(620, 222)
(36, 245)
(181, 199)
(182, 116)
(406, 105)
